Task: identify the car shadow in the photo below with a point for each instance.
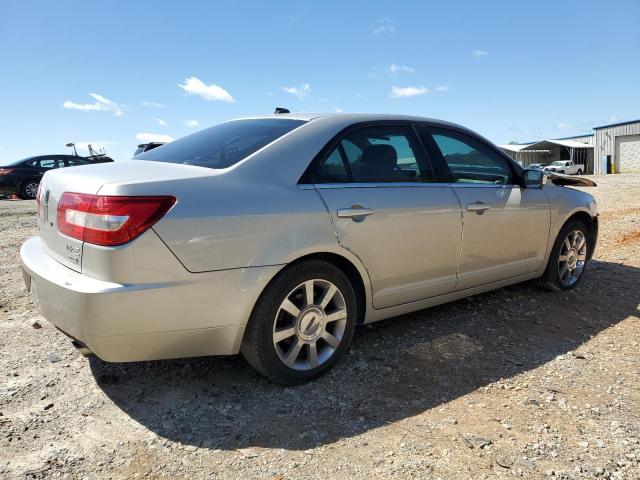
(395, 369)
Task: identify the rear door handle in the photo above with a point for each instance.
(478, 207)
(354, 211)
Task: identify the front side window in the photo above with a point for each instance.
(71, 162)
(223, 145)
(380, 154)
(470, 161)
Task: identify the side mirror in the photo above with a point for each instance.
(532, 178)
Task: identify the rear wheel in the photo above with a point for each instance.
(29, 189)
(302, 323)
(579, 172)
(568, 259)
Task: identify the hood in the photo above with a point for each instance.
(572, 180)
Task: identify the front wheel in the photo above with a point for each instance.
(29, 189)
(569, 257)
(579, 172)
(302, 323)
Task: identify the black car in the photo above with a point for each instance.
(23, 176)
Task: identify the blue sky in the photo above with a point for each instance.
(509, 70)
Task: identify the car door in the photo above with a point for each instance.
(505, 227)
(389, 211)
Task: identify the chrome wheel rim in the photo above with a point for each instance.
(572, 258)
(31, 189)
(310, 324)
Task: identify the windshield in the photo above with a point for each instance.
(558, 164)
(223, 145)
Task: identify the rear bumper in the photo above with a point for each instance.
(205, 315)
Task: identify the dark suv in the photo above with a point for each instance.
(23, 176)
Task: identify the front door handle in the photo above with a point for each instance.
(478, 207)
(354, 211)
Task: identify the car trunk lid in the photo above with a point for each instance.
(90, 179)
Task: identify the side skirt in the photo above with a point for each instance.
(374, 315)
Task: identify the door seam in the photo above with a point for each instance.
(455, 288)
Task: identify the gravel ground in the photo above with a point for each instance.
(513, 383)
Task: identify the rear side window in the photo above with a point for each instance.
(380, 154)
(49, 163)
(470, 161)
(223, 145)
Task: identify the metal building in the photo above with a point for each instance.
(618, 145)
(578, 149)
(613, 148)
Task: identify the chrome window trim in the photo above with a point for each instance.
(482, 185)
(325, 186)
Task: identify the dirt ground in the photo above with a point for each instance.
(514, 383)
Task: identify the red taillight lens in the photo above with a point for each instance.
(106, 220)
(6, 171)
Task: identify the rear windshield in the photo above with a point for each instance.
(223, 145)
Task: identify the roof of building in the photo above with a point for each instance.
(514, 147)
(616, 124)
(547, 144)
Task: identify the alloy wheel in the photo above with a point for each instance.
(572, 258)
(31, 189)
(309, 324)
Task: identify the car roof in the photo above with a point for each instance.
(340, 117)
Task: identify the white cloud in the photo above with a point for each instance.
(195, 86)
(563, 125)
(153, 137)
(301, 92)
(339, 110)
(406, 92)
(152, 104)
(479, 53)
(383, 25)
(192, 123)
(614, 118)
(160, 122)
(395, 69)
(442, 88)
(101, 104)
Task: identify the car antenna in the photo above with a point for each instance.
(281, 110)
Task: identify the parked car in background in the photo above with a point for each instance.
(566, 167)
(536, 166)
(275, 236)
(23, 176)
(145, 147)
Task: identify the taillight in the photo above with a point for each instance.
(6, 171)
(107, 220)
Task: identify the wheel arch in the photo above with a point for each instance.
(355, 272)
(23, 182)
(590, 222)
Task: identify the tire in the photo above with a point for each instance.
(29, 189)
(561, 272)
(288, 358)
(579, 172)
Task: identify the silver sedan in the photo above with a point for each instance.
(275, 236)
